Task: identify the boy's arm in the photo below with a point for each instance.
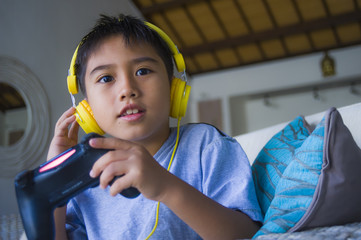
(63, 139)
(208, 218)
(59, 220)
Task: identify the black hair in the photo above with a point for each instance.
(132, 30)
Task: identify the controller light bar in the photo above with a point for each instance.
(57, 161)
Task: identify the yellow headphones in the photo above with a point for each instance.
(179, 89)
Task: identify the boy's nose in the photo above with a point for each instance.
(128, 89)
(128, 94)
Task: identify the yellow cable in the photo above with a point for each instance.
(169, 165)
(175, 146)
(155, 224)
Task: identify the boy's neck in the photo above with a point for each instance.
(153, 145)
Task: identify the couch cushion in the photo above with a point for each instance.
(321, 184)
(273, 159)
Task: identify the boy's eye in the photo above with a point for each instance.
(105, 79)
(142, 71)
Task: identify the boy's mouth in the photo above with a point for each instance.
(131, 110)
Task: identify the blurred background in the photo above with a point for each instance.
(251, 64)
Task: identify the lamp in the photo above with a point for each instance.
(328, 65)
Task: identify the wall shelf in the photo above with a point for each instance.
(315, 87)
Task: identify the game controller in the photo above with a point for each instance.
(54, 183)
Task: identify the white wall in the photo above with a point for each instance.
(43, 35)
(13, 120)
(254, 114)
(242, 115)
(2, 133)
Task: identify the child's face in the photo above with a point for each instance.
(129, 91)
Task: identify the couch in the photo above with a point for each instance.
(346, 226)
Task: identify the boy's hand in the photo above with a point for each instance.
(138, 166)
(64, 136)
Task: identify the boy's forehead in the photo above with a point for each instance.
(114, 49)
(115, 45)
(131, 43)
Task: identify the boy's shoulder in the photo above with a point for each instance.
(202, 130)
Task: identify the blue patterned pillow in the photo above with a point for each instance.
(321, 184)
(273, 159)
(295, 189)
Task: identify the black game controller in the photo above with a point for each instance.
(54, 183)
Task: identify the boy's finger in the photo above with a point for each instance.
(106, 160)
(101, 164)
(65, 119)
(110, 172)
(109, 143)
(66, 114)
(62, 126)
(73, 131)
(120, 184)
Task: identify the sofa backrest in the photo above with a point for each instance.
(253, 142)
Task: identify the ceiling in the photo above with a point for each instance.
(214, 35)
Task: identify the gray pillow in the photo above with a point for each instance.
(337, 198)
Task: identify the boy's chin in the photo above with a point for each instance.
(132, 136)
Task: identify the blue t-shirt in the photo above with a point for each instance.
(207, 159)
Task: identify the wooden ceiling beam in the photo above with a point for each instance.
(155, 8)
(300, 18)
(328, 14)
(275, 25)
(249, 27)
(271, 34)
(276, 58)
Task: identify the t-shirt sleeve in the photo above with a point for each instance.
(227, 177)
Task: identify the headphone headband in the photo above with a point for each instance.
(71, 79)
(177, 57)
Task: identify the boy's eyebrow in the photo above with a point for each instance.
(101, 67)
(136, 60)
(144, 59)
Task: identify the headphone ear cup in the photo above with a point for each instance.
(85, 118)
(179, 98)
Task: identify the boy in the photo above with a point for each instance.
(124, 69)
